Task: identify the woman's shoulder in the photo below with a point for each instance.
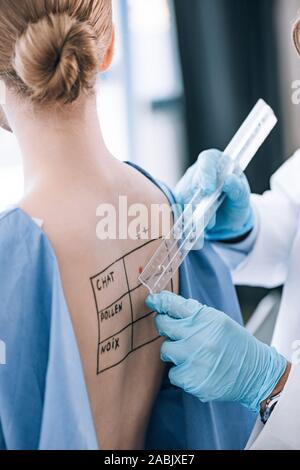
(13, 222)
(20, 238)
(12, 225)
(27, 262)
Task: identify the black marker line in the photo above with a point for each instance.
(94, 294)
(130, 300)
(118, 300)
(142, 246)
(147, 344)
(127, 355)
(127, 326)
(98, 354)
(143, 317)
(99, 337)
(116, 364)
(116, 334)
(136, 288)
(115, 302)
(125, 256)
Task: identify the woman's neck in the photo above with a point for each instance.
(60, 147)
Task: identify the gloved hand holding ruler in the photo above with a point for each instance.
(194, 220)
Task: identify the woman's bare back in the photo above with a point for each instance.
(118, 342)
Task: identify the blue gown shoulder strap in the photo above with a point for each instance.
(162, 186)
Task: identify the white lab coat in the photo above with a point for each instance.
(273, 261)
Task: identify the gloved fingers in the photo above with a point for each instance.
(186, 197)
(173, 305)
(175, 329)
(169, 327)
(237, 188)
(184, 191)
(185, 377)
(224, 165)
(181, 376)
(206, 175)
(203, 177)
(174, 352)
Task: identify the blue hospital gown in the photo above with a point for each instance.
(43, 397)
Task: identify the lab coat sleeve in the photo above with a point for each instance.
(282, 431)
(235, 255)
(277, 216)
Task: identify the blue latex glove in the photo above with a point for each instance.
(215, 358)
(235, 217)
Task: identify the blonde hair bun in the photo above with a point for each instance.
(57, 58)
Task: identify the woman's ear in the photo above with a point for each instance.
(109, 54)
(3, 121)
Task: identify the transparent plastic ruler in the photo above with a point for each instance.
(191, 225)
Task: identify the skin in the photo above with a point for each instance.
(3, 121)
